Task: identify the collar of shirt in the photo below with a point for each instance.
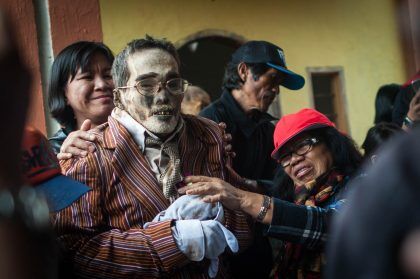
(137, 131)
(157, 159)
(245, 123)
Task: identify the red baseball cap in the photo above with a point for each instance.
(42, 170)
(294, 124)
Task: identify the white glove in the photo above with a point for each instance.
(216, 238)
(199, 239)
(189, 237)
(198, 232)
(190, 207)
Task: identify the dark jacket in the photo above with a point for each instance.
(252, 136)
(253, 143)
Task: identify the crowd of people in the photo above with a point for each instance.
(148, 178)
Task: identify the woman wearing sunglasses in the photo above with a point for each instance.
(318, 161)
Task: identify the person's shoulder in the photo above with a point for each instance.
(215, 111)
(200, 122)
(101, 132)
(104, 142)
(205, 129)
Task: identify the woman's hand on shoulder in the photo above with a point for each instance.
(78, 143)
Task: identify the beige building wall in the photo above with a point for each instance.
(361, 36)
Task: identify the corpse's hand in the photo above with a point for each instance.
(217, 238)
(214, 190)
(191, 207)
(198, 239)
(198, 230)
(78, 143)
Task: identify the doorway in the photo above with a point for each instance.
(203, 60)
(328, 96)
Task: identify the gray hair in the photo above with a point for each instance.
(120, 72)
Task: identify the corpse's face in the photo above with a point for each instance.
(160, 112)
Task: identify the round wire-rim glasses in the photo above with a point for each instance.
(150, 86)
(300, 149)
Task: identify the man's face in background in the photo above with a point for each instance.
(260, 93)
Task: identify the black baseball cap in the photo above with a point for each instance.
(273, 56)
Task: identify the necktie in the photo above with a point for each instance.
(171, 176)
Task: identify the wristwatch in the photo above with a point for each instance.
(408, 122)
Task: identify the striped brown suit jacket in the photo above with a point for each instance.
(102, 232)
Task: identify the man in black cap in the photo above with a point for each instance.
(251, 82)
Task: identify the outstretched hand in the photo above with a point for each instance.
(214, 190)
(78, 143)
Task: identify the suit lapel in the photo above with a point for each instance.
(192, 150)
(134, 171)
(200, 148)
